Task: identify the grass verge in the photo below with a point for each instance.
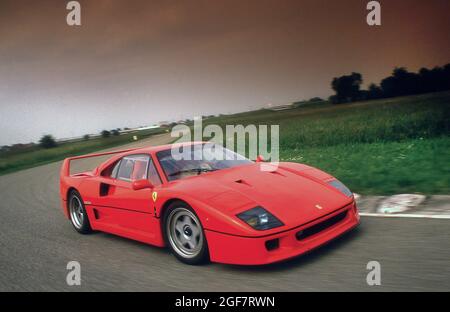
(410, 166)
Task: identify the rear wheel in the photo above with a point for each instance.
(77, 213)
(184, 234)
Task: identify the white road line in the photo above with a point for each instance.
(404, 215)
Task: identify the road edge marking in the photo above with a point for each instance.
(404, 215)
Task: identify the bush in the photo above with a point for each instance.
(105, 134)
(115, 132)
(47, 141)
(86, 137)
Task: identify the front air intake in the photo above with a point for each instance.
(321, 226)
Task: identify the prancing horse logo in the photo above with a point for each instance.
(319, 207)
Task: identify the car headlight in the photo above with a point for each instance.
(341, 187)
(260, 219)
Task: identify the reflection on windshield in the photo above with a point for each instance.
(197, 159)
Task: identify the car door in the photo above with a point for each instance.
(132, 168)
(123, 210)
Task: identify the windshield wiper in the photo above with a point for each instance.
(195, 170)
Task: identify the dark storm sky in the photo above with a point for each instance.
(133, 63)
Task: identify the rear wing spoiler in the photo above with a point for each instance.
(65, 169)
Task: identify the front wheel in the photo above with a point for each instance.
(184, 234)
(77, 213)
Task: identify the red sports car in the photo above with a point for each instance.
(224, 209)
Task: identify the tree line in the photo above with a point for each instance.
(49, 141)
(401, 82)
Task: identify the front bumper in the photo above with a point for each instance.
(230, 249)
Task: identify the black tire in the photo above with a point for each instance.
(77, 213)
(173, 238)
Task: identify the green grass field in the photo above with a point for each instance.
(376, 147)
(35, 156)
(382, 147)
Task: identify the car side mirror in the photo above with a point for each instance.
(141, 184)
(259, 158)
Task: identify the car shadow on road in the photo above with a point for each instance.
(301, 260)
(144, 247)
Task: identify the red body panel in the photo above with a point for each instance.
(291, 192)
(252, 251)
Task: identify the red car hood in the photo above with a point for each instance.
(293, 196)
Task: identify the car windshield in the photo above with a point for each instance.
(183, 161)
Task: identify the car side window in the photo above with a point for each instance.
(133, 168)
(153, 175)
(115, 170)
(125, 169)
(111, 170)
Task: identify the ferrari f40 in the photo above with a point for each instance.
(225, 209)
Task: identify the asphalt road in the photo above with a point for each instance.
(37, 242)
